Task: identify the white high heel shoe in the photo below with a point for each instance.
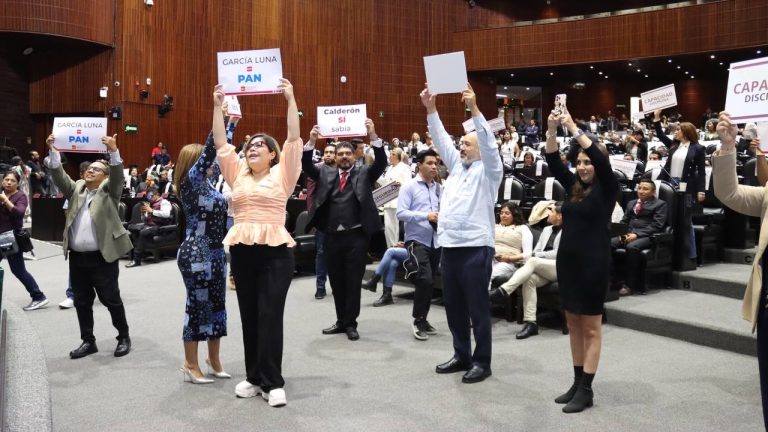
(193, 379)
(211, 371)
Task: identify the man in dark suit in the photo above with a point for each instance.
(94, 239)
(343, 209)
(645, 216)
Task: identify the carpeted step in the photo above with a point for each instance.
(723, 279)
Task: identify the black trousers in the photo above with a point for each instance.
(140, 233)
(466, 275)
(631, 269)
(91, 276)
(262, 275)
(346, 254)
(762, 354)
(428, 261)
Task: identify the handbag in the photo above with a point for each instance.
(8, 245)
(23, 240)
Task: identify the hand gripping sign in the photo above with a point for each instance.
(250, 72)
(79, 134)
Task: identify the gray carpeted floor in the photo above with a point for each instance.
(383, 382)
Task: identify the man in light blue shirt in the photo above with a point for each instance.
(465, 232)
(418, 206)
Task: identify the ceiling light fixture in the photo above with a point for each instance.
(630, 64)
(678, 67)
(669, 61)
(511, 75)
(599, 73)
(591, 67)
(686, 72)
(551, 74)
(638, 70)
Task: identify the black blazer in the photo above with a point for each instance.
(651, 220)
(693, 170)
(362, 180)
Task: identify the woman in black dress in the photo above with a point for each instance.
(583, 258)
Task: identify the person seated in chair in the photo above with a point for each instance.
(155, 213)
(538, 271)
(514, 242)
(644, 216)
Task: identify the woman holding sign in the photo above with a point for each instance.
(259, 244)
(584, 254)
(684, 167)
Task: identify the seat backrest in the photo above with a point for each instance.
(667, 194)
(136, 213)
(121, 207)
(514, 187)
(750, 176)
(301, 223)
(558, 191)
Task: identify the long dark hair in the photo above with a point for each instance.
(580, 190)
(517, 214)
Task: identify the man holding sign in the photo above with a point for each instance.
(94, 240)
(466, 235)
(343, 209)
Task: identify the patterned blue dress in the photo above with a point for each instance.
(201, 257)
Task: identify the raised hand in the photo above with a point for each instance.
(727, 131)
(428, 100)
(657, 115)
(218, 96)
(314, 134)
(369, 126)
(287, 88)
(49, 141)
(110, 142)
(553, 121)
(469, 97)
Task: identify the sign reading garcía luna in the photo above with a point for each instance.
(250, 72)
(79, 134)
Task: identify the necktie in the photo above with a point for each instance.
(638, 207)
(344, 175)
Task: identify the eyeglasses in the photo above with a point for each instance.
(96, 169)
(258, 144)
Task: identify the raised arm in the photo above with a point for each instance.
(197, 174)
(306, 158)
(380, 156)
(293, 111)
(486, 142)
(60, 178)
(747, 200)
(229, 163)
(552, 155)
(442, 140)
(291, 155)
(116, 179)
(659, 132)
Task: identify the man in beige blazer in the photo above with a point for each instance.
(751, 201)
(94, 239)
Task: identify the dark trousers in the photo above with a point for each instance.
(320, 271)
(92, 276)
(262, 276)
(762, 355)
(466, 274)
(631, 267)
(140, 233)
(346, 254)
(428, 260)
(16, 262)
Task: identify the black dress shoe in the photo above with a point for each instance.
(530, 328)
(133, 264)
(370, 285)
(320, 294)
(85, 349)
(476, 374)
(352, 333)
(498, 295)
(123, 347)
(385, 299)
(452, 365)
(334, 329)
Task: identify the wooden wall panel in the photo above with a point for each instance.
(702, 28)
(87, 20)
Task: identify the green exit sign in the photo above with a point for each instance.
(131, 128)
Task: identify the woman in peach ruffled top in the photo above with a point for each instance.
(259, 244)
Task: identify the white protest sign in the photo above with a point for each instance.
(762, 135)
(250, 72)
(660, 98)
(386, 193)
(233, 106)
(747, 93)
(653, 164)
(79, 134)
(342, 120)
(625, 166)
(634, 109)
(446, 73)
(497, 124)
(469, 125)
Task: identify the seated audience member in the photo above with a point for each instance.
(133, 180)
(387, 271)
(163, 158)
(538, 271)
(164, 185)
(654, 155)
(154, 214)
(637, 146)
(564, 158)
(147, 184)
(514, 242)
(644, 216)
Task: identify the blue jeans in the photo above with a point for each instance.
(16, 262)
(320, 270)
(387, 268)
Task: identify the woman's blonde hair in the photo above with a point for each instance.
(397, 151)
(188, 155)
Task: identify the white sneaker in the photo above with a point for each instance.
(35, 304)
(244, 389)
(68, 303)
(29, 256)
(275, 398)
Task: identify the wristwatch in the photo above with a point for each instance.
(578, 133)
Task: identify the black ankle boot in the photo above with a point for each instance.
(581, 400)
(385, 299)
(370, 285)
(578, 372)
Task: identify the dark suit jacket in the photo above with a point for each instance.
(693, 170)
(362, 180)
(651, 220)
